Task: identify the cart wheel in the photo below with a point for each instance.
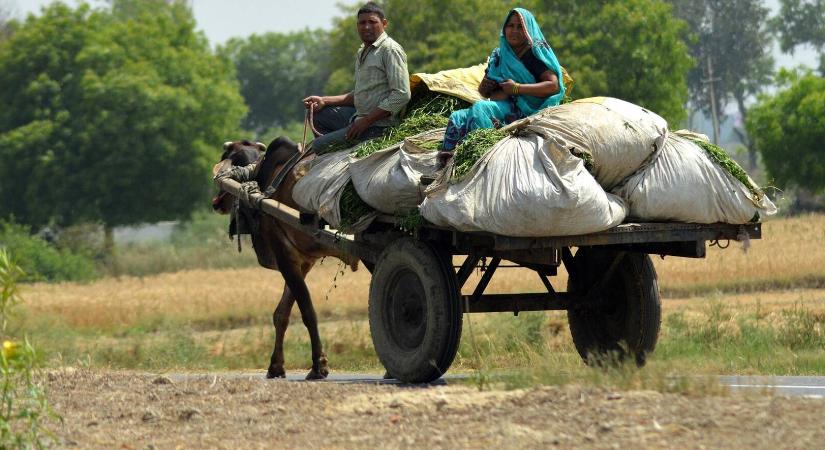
(627, 321)
(415, 312)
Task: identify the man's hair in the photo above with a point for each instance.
(371, 8)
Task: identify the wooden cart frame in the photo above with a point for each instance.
(416, 304)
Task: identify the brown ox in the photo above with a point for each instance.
(280, 247)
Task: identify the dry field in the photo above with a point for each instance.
(791, 255)
(761, 312)
(220, 319)
(127, 410)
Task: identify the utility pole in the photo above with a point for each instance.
(714, 114)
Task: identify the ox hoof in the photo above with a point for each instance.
(317, 374)
(275, 373)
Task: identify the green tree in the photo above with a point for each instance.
(788, 128)
(801, 22)
(646, 65)
(109, 118)
(629, 49)
(731, 38)
(275, 72)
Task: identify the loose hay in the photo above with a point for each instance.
(412, 125)
(353, 208)
(721, 157)
(472, 148)
(425, 112)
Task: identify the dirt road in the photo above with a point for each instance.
(138, 410)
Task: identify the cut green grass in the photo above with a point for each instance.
(353, 208)
(475, 145)
(427, 111)
(411, 126)
(721, 157)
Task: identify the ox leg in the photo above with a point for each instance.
(320, 368)
(294, 274)
(280, 318)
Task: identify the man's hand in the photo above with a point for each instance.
(357, 128)
(507, 86)
(315, 102)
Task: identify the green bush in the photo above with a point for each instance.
(41, 261)
(24, 409)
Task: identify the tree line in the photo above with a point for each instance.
(115, 115)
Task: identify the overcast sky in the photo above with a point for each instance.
(223, 19)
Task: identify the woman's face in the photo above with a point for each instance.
(514, 32)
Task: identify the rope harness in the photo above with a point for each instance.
(309, 122)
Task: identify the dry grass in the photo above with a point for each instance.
(792, 253)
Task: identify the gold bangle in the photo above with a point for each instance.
(515, 89)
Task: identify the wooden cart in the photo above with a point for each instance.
(416, 304)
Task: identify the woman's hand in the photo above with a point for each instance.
(487, 87)
(508, 86)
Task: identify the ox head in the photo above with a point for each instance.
(235, 153)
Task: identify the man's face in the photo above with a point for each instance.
(370, 26)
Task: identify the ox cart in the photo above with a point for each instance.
(416, 299)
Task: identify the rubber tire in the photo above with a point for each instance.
(435, 342)
(628, 325)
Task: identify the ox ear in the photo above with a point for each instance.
(227, 145)
(260, 146)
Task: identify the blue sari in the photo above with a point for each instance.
(502, 65)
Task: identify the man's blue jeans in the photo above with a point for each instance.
(333, 123)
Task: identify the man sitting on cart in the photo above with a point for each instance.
(382, 88)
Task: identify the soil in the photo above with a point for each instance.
(140, 410)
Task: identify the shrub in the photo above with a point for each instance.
(24, 409)
(43, 262)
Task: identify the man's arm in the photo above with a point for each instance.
(317, 102)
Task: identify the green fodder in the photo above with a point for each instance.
(586, 157)
(412, 125)
(721, 157)
(434, 103)
(425, 112)
(353, 208)
(472, 148)
(412, 221)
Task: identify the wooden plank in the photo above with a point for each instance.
(292, 218)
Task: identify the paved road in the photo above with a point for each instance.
(785, 386)
(789, 386)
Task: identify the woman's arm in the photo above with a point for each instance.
(548, 85)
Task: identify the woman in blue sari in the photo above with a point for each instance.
(523, 76)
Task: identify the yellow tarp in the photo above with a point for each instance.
(463, 83)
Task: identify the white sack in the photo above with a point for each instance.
(525, 186)
(319, 189)
(684, 185)
(621, 137)
(389, 180)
